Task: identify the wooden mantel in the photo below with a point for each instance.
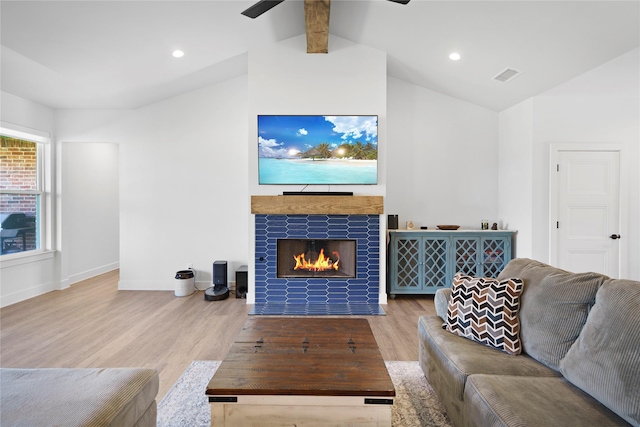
(321, 205)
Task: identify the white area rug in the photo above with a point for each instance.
(416, 404)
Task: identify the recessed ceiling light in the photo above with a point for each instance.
(454, 56)
(178, 54)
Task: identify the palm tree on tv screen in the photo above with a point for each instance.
(324, 150)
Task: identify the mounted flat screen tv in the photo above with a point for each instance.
(308, 150)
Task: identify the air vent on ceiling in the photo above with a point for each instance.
(507, 75)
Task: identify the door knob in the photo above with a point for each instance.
(615, 236)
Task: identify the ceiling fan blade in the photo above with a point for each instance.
(261, 7)
(401, 1)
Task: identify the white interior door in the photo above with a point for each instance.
(589, 211)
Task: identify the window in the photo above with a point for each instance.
(22, 191)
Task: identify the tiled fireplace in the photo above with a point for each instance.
(311, 264)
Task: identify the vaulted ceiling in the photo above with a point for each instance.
(117, 54)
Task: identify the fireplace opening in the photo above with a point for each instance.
(322, 258)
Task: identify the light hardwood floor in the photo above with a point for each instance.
(93, 324)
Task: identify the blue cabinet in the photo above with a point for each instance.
(422, 261)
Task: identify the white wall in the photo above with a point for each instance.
(88, 227)
(89, 209)
(284, 79)
(25, 113)
(601, 106)
(27, 277)
(183, 186)
(183, 182)
(442, 165)
(515, 177)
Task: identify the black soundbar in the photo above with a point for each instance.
(317, 193)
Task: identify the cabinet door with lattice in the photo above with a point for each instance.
(407, 271)
(466, 255)
(435, 258)
(496, 252)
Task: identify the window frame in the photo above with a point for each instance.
(43, 191)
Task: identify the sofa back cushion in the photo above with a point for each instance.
(441, 302)
(605, 359)
(553, 307)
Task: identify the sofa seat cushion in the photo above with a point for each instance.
(515, 401)
(78, 397)
(605, 359)
(486, 311)
(455, 358)
(553, 307)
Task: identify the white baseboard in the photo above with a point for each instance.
(155, 285)
(79, 277)
(64, 284)
(25, 294)
(146, 285)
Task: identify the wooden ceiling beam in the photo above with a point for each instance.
(316, 20)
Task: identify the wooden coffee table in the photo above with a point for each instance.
(303, 372)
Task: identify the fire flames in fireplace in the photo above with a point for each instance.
(323, 263)
(316, 258)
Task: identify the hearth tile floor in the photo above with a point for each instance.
(284, 309)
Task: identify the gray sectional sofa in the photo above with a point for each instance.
(580, 360)
(114, 397)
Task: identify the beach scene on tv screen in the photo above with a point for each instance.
(317, 149)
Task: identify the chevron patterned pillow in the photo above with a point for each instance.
(486, 310)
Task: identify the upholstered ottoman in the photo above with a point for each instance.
(78, 397)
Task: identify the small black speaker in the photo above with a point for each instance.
(220, 273)
(392, 222)
(242, 281)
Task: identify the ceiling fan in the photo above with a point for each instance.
(316, 19)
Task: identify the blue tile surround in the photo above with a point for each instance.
(307, 296)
